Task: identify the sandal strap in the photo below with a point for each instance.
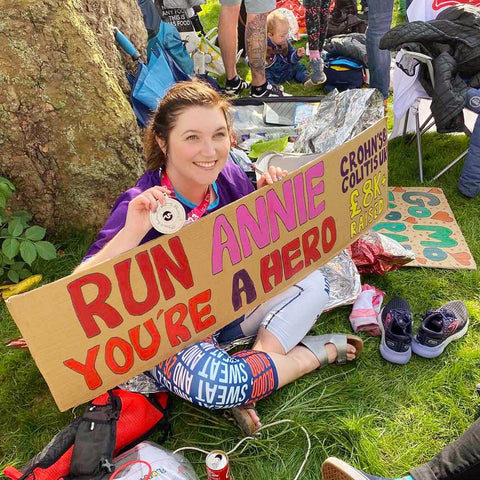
(316, 344)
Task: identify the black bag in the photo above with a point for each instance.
(345, 18)
(343, 73)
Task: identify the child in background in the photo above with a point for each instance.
(282, 62)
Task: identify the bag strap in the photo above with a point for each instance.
(95, 440)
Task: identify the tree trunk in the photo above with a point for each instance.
(68, 137)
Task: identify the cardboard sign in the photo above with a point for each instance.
(421, 219)
(93, 330)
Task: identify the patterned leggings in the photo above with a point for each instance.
(316, 20)
(205, 375)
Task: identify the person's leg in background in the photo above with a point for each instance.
(458, 461)
(379, 22)
(227, 40)
(316, 21)
(256, 46)
(469, 182)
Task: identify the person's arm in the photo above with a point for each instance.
(294, 55)
(137, 225)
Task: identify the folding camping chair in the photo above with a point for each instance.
(420, 129)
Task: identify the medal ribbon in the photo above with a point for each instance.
(199, 210)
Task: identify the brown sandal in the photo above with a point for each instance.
(242, 418)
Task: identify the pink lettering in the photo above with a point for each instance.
(276, 210)
(258, 230)
(222, 228)
(314, 173)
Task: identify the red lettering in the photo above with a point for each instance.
(270, 379)
(98, 307)
(263, 384)
(269, 269)
(290, 252)
(164, 264)
(126, 350)
(91, 376)
(257, 387)
(123, 271)
(150, 350)
(256, 365)
(196, 315)
(329, 234)
(310, 241)
(176, 331)
(168, 365)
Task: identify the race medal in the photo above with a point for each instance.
(168, 218)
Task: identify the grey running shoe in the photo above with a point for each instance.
(439, 328)
(336, 469)
(235, 85)
(395, 322)
(317, 75)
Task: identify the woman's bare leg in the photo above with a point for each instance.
(292, 365)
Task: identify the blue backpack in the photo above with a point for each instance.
(163, 35)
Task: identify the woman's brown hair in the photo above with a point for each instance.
(182, 95)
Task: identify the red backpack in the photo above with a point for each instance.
(111, 424)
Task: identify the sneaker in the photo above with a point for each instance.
(395, 322)
(439, 328)
(336, 469)
(317, 75)
(235, 85)
(268, 90)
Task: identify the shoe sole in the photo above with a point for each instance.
(310, 84)
(432, 352)
(272, 96)
(400, 358)
(336, 469)
(232, 93)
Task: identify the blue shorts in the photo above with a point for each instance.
(209, 377)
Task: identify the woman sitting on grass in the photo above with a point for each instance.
(187, 145)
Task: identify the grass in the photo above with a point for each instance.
(381, 417)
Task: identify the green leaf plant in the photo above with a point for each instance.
(21, 244)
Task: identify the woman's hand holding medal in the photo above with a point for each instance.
(146, 206)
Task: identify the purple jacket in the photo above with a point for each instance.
(231, 184)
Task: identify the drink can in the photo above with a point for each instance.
(218, 466)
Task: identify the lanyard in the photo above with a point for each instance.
(196, 212)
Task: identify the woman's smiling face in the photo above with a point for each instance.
(198, 146)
